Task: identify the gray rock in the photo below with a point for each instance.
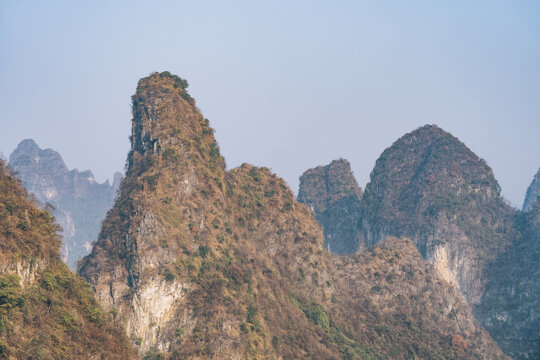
(334, 196)
(533, 192)
(80, 203)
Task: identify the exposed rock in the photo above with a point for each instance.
(392, 288)
(430, 187)
(510, 306)
(199, 262)
(79, 202)
(334, 196)
(46, 311)
(533, 193)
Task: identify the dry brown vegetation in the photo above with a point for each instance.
(256, 282)
(46, 311)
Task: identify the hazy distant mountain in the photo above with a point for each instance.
(533, 192)
(80, 203)
(334, 196)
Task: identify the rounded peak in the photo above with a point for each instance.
(424, 133)
(431, 143)
(26, 147)
(28, 144)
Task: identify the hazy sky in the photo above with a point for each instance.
(286, 84)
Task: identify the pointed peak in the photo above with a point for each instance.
(533, 193)
(167, 124)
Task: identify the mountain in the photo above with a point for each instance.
(46, 311)
(79, 202)
(533, 192)
(430, 187)
(199, 262)
(334, 196)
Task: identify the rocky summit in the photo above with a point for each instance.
(334, 196)
(430, 187)
(196, 261)
(79, 202)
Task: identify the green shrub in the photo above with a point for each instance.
(169, 276)
(203, 251)
(275, 342)
(10, 295)
(153, 354)
(179, 332)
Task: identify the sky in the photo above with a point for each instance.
(286, 84)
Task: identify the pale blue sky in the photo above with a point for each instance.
(286, 84)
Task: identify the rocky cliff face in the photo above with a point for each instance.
(334, 196)
(533, 192)
(510, 304)
(390, 292)
(46, 311)
(79, 202)
(196, 260)
(200, 262)
(430, 187)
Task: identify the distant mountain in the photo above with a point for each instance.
(533, 192)
(200, 262)
(80, 203)
(334, 196)
(46, 311)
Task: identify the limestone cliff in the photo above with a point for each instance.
(197, 261)
(391, 297)
(533, 192)
(430, 187)
(46, 311)
(510, 304)
(79, 202)
(334, 196)
(200, 262)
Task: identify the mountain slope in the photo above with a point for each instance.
(79, 202)
(334, 196)
(46, 311)
(509, 306)
(200, 262)
(391, 298)
(533, 192)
